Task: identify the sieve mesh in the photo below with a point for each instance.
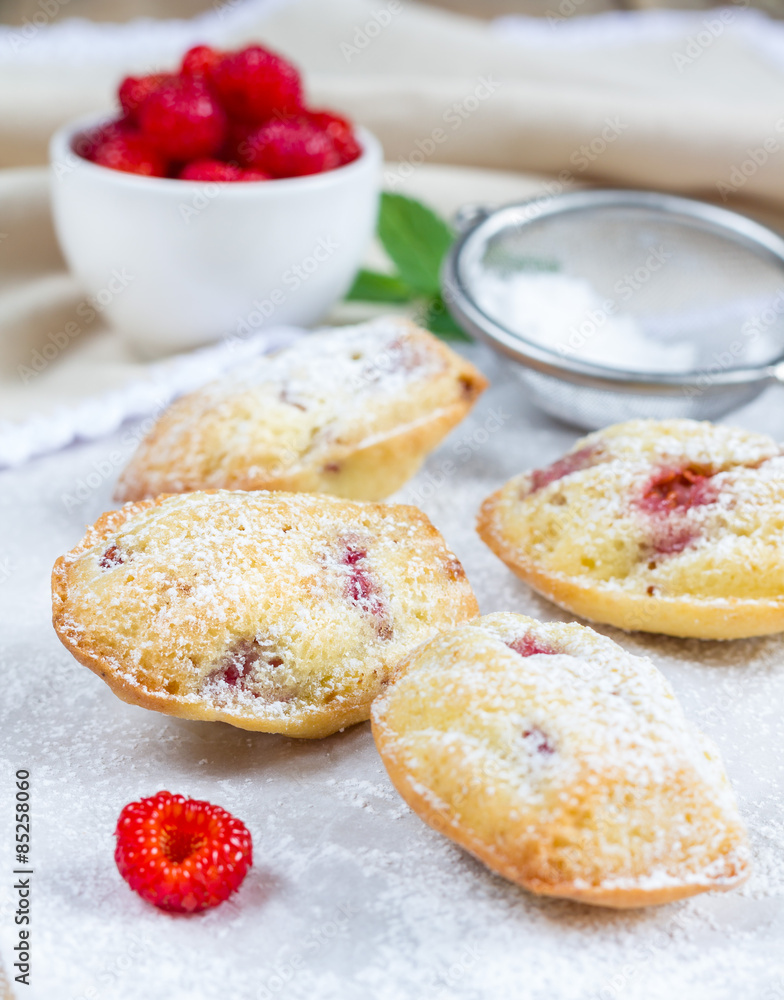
(632, 284)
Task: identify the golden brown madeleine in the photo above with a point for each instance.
(669, 526)
(351, 411)
(561, 761)
(270, 611)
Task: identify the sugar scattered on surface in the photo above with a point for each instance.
(347, 903)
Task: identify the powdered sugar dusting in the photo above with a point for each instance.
(294, 419)
(347, 901)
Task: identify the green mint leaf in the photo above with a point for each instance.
(372, 286)
(439, 321)
(415, 239)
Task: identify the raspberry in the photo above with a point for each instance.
(217, 170)
(254, 175)
(527, 645)
(565, 466)
(537, 741)
(86, 143)
(113, 556)
(290, 149)
(236, 145)
(131, 153)
(363, 591)
(340, 131)
(255, 84)
(209, 170)
(183, 120)
(678, 489)
(134, 91)
(199, 62)
(181, 854)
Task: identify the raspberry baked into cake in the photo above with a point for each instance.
(667, 526)
(561, 761)
(351, 411)
(270, 611)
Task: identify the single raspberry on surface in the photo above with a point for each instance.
(340, 131)
(131, 153)
(255, 84)
(183, 120)
(183, 855)
(199, 62)
(290, 149)
(134, 91)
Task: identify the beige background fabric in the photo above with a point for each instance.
(585, 100)
(38, 298)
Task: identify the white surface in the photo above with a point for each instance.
(98, 416)
(351, 896)
(178, 264)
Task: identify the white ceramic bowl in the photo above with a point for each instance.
(174, 264)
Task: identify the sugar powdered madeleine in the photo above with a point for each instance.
(670, 526)
(561, 761)
(351, 411)
(270, 611)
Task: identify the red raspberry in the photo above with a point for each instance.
(575, 462)
(86, 144)
(255, 84)
(254, 175)
(183, 120)
(209, 170)
(198, 62)
(340, 131)
(181, 854)
(132, 153)
(236, 139)
(527, 645)
(217, 170)
(290, 149)
(134, 91)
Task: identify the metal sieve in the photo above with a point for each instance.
(623, 304)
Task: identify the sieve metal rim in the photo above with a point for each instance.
(482, 224)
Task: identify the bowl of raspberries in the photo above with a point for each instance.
(215, 202)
